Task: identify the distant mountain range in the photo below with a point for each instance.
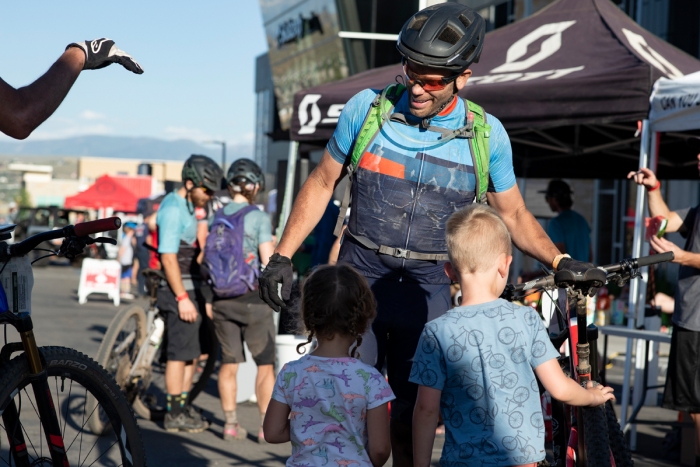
(122, 147)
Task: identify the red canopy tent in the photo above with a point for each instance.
(119, 193)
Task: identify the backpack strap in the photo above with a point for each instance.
(383, 103)
(479, 148)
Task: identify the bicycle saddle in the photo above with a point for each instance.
(150, 272)
(587, 278)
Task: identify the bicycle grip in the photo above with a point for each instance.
(101, 225)
(654, 259)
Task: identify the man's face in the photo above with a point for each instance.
(200, 196)
(698, 158)
(426, 103)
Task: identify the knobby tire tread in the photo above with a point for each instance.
(15, 374)
(618, 443)
(595, 428)
(104, 352)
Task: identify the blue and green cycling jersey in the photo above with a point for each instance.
(176, 222)
(408, 183)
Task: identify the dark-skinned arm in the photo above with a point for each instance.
(310, 204)
(24, 109)
(526, 232)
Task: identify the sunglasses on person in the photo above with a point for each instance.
(428, 84)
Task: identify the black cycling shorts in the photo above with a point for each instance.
(245, 319)
(403, 308)
(183, 341)
(682, 390)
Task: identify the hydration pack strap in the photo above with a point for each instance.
(396, 252)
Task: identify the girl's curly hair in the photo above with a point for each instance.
(336, 300)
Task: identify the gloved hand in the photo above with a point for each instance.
(278, 271)
(102, 52)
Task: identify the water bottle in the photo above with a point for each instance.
(157, 334)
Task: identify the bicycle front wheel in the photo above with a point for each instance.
(618, 444)
(72, 377)
(117, 354)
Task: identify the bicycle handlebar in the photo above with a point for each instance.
(626, 264)
(80, 230)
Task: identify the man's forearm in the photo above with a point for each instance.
(657, 205)
(172, 273)
(529, 236)
(690, 259)
(26, 108)
(307, 211)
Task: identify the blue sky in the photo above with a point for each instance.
(198, 57)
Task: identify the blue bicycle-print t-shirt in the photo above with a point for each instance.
(482, 358)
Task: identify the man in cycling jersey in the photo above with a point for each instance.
(180, 299)
(405, 187)
(24, 109)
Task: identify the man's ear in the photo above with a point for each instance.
(462, 80)
(451, 272)
(189, 185)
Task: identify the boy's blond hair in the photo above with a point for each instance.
(476, 235)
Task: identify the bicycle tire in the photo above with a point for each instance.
(618, 444)
(595, 426)
(157, 413)
(119, 369)
(69, 364)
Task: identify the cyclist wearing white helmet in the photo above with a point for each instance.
(417, 154)
(180, 299)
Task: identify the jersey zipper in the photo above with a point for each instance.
(413, 211)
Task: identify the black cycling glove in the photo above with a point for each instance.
(102, 52)
(278, 271)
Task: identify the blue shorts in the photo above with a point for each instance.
(126, 273)
(403, 308)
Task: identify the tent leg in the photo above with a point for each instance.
(634, 295)
(289, 187)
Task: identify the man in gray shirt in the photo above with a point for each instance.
(683, 379)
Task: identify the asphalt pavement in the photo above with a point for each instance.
(60, 320)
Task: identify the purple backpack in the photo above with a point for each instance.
(229, 273)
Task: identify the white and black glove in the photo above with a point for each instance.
(102, 52)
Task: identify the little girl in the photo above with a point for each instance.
(330, 405)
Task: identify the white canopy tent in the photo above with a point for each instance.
(674, 107)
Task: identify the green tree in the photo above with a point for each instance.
(22, 198)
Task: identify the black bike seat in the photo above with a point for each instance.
(150, 272)
(592, 277)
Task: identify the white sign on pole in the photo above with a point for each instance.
(99, 276)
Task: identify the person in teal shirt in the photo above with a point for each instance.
(569, 230)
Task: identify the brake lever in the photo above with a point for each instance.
(90, 240)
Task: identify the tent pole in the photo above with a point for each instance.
(634, 293)
(289, 187)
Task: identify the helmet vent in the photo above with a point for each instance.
(469, 53)
(417, 22)
(449, 35)
(465, 21)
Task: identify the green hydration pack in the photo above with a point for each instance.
(476, 130)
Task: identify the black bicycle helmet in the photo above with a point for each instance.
(203, 172)
(245, 170)
(447, 36)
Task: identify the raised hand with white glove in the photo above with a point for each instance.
(100, 53)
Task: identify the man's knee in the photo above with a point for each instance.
(228, 370)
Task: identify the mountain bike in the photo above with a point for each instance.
(131, 352)
(43, 390)
(582, 436)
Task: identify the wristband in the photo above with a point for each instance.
(558, 258)
(656, 187)
(182, 296)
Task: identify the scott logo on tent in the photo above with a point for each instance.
(310, 114)
(514, 67)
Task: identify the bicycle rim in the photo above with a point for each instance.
(72, 377)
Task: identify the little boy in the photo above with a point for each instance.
(475, 363)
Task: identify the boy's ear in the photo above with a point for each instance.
(451, 272)
(504, 264)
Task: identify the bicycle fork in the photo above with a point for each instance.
(42, 394)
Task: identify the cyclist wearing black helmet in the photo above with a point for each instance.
(417, 153)
(239, 313)
(180, 299)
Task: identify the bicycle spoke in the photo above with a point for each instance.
(80, 448)
(26, 436)
(106, 450)
(58, 404)
(83, 425)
